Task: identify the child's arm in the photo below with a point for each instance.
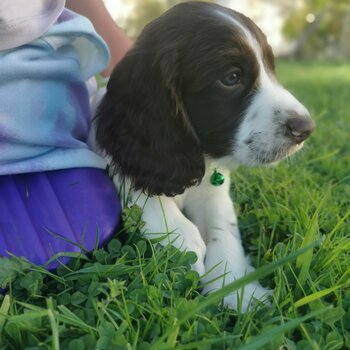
(104, 24)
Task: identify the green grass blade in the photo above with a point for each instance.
(304, 261)
(70, 318)
(4, 309)
(203, 343)
(231, 287)
(54, 326)
(265, 337)
(315, 296)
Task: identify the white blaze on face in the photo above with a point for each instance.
(261, 138)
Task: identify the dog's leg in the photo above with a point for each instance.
(162, 216)
(211, 209)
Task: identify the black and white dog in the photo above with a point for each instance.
(196, 96)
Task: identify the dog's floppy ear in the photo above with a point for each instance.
(142, 124)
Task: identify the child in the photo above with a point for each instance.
(42, 80)
(47, 53)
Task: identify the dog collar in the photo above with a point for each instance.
(216, 178)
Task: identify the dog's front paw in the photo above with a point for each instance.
(247, 297)
(199, 267)
(191, 243)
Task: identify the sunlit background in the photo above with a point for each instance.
(297, 28)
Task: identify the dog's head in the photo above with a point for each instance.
(199, 81)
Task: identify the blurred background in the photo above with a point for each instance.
(308, 29)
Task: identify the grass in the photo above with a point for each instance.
(132, 295)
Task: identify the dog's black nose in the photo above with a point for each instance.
(299, 128)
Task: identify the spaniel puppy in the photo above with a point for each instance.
(194, 98)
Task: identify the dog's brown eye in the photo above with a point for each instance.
(231, 79)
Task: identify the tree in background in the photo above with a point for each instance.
(320, 28)
(145, 11)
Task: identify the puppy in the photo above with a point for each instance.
(195, 97)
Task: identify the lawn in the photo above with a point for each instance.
(295, 224)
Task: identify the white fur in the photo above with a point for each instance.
(263, 123)
(269, 110)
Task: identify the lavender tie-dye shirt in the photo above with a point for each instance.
(44, 103)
